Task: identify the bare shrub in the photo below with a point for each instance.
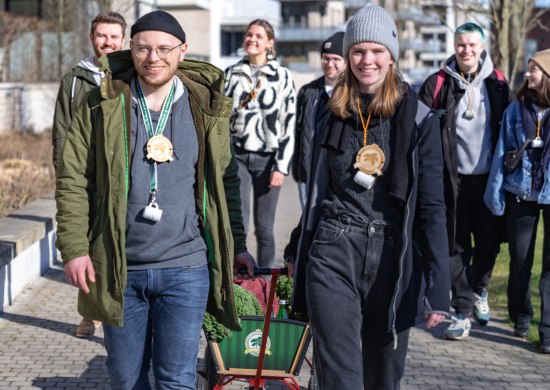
(26, 170)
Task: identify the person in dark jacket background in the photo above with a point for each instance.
(106, 36)
(312, 111)
(474, 97)
(365, 270)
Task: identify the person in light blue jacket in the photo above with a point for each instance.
(522, 190)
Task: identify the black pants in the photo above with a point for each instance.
(255, 173)
(522, 220)
(472, 267)
(351, 277)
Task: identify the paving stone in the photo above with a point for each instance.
(38, 349)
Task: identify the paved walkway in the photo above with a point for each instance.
(38, 349)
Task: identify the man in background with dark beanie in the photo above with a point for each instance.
(312, 111)
(149, 211)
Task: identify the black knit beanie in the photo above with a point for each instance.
(334, 44)
(158, 21)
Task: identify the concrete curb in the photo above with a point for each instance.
(26, 235)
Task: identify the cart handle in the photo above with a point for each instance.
(258, 271)
(274, 272)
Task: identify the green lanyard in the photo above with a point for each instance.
(166, 108)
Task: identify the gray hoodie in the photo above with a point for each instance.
(88, 63)
(474, 146)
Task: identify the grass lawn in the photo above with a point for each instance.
(497, 286)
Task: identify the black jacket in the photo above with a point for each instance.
(448, 98)
(423, 282)
(312, 102)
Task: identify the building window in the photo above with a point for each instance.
(231, 41)
(24, 7)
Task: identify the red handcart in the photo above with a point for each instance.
(265, 350)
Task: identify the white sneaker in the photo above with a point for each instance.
(481, 308)
(459, 328)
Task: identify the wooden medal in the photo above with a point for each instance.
(159, 149)
(370, 160)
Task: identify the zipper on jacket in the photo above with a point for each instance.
(125, 143)
(207, 238)
(401, 256)
(118, 267)
(117, 283)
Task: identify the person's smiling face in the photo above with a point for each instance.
(107, 38)
(256, 41)
(468, 49)
(148, 48)
(369, 63)
(534, 76)
(333, 65)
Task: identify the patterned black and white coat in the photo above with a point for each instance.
(269, 125)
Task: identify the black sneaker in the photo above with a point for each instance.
(545, 347)
(521, 331)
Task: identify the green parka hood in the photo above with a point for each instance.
(119, 71)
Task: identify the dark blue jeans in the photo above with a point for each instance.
(255, 172)
(351, 278)
(522, 220)
(472, 268)
(163, 314)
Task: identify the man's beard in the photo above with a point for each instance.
(156, 81)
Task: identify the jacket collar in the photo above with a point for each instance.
(269, 69)
(204, 81)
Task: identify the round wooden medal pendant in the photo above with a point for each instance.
(370, 160)
(159, 148)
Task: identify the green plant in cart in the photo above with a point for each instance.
(285, 286)
(247, 305)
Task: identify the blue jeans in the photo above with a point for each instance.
(255, 172)
(169, 303)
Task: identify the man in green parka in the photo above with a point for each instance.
(106, 36)
(149, 210)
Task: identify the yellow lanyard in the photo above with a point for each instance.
(365, 127)
(469, 89)
(252, 95)
(255, 89)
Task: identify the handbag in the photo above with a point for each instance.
(512, 159)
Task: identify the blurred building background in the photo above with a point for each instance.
(41, 39)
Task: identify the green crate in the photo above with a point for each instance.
(285, 351)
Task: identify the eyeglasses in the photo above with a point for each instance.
(162, 52)
(335, 61)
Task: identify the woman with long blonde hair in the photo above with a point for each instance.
(370, 253)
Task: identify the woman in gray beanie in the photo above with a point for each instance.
(521, 187)
(356, 252)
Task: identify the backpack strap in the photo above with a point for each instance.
(440, 79)
(500, 75)
(422, 113)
